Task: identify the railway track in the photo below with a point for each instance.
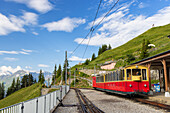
(160, 105)
(86, 106)
(143, 100)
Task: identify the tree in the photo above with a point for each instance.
(24, 81)
(104, 48)
(109, 48)
(64, 70)
(87, 62)
(143, 53)
(54, 74)
(13, 88)
(18, 85)
(100, 51)
(30, 79)
(41, 77)
(2, 91)
(93, 57)
(147, 43)
(130, 58)
(59, 71)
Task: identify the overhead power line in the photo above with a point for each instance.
(93, 28)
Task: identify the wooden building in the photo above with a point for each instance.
(159, 62)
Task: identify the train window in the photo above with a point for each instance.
(128, 74)
(114, 76)
(136, 72)
(122, 75)
(117, 73)
(144, 75)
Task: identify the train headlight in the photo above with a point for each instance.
(130, 85)
(145, 85)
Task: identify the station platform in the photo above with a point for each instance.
(159, 97)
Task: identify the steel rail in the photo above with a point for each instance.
(88, 105)
(82, 106)
(160, 105)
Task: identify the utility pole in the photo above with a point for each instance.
(74, 77)
(69, 76)
(66, 73)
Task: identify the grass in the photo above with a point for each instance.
(21, 95)
(80, 83)
(156, 36)
(52, 90)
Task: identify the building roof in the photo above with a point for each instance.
(160, 54)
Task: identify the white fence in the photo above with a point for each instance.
(42, 104)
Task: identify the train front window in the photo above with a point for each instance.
(136, 72)
(128, 74)
(144, 75)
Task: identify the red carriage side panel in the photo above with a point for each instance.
(94, 81)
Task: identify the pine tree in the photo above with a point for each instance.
(2, 91)
(104, 48)
(87, 62)
(41, 77)
(143, 53)
(64, 70)
(24, 81)
(13, 88)
(30, 79)
(100, 51)
(93, 57)
(147, 43)
(59, 71)
(18, 85)
(109, 48)
(54, 74)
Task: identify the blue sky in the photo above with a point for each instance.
(34, 34)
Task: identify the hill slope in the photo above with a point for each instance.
(156, 36)
(21, 95)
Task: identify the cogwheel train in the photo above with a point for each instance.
(129, 80)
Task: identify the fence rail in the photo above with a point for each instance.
(42, 104)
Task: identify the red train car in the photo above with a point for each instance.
(129, 80)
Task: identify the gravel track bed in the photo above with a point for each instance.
(69, 99)
(112, 104)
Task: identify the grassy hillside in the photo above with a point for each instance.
(21, 95)
(156, 36)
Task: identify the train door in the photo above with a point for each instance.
(137, 79)
(94, 81)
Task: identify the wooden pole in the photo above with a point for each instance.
(149, 74)
(165, 74)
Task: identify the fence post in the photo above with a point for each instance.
(37, 106)
(45, 104)
(22, 108)
(60, 92)
(50, 103)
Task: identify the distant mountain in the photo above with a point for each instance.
(7, 76)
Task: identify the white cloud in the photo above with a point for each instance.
(75, 58)
(39, 5)
(121, 26)
(142, 5)
(8, 70)
(10, 59)
(66, 24)
(28, 67)
(14, 23)
(29, 51)
(24, 51)
(43, 65)
(35, 33)
(57, 51)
